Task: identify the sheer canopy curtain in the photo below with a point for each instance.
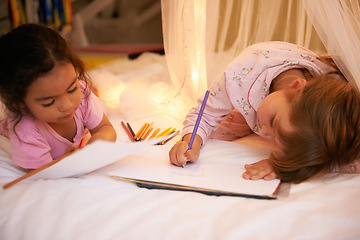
(184, 32)
(338, 25)
(202, 36)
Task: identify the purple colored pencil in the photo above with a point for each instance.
(198, 119)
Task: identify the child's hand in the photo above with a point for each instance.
(76, 146)
(179, 154)
(72, 148)
(258, 170)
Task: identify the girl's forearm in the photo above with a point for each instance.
(106, 132)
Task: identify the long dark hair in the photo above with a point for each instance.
(27, 53)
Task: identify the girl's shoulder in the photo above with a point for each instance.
(279, 46)
(275, 56)
(273, 52)
(25, 126)
(28, 129)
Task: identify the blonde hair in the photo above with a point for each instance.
(326, 117)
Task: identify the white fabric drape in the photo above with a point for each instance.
(184, 37)
(338, 25)
(202, 36)
(242, 23)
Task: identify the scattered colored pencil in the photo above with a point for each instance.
(154, 133)
(146, 131)
(127, 131)
(164, 132)
(143, 131)
(130, 129)
(140, 131)
(169, 138)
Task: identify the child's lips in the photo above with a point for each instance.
(68, 116)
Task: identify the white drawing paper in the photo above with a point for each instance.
(215, 169)
(94, 156)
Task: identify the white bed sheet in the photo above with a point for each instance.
(94, 206)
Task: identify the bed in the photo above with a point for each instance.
(95, 206)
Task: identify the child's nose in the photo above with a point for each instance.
(66, 104)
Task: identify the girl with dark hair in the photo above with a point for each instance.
(48, 97)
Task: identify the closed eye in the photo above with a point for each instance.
(272, 121)
(48, 104)
(73, 90)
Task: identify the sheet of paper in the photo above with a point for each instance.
(92, 157)
(220, 167)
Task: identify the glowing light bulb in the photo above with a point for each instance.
(195, 76)
(111, 97)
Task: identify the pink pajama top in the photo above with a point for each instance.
(37, 143)
(246, 82)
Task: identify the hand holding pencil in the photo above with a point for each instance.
(188, 150)
(180, 154)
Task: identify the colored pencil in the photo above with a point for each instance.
(163, 132)
(140, 131)
(147, 134)
(83, 138)
(154, 133)
(198, 119)
(170, 131)
(146, 130)
(130, 129)
(143, 132)
(32, 172)
(169, 138)
(127, 131)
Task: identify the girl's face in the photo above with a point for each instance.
(273, 111)
(54, 98)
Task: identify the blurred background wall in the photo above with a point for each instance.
(109, 21)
